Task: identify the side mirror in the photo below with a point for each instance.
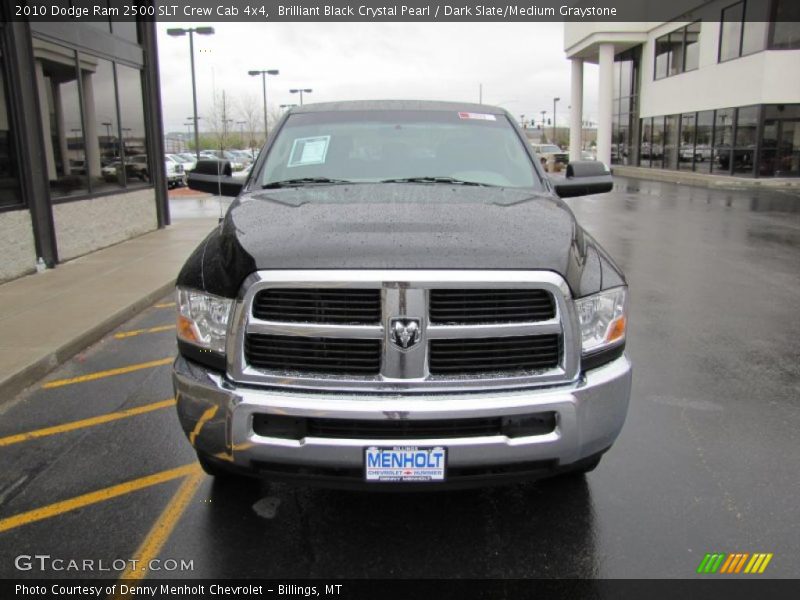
(214, 176)
(584, 177)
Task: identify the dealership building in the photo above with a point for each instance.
(80, 139)
(714, 90)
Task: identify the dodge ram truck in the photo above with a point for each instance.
(398, 297)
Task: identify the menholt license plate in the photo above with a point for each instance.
(405, 463)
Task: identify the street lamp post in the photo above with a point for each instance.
(176, 32)
(300, 91)
(554, 120)
(264, 74)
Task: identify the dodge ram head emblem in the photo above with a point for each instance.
(404, 333)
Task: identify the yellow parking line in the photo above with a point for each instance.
(83, 423)
(126, 334)
(164, 305)
(204, 418)
(108, 493)
(109, 373)
(163, 527)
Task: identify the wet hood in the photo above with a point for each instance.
(395, 226)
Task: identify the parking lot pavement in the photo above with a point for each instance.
(96, 466)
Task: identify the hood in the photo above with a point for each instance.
(394, 226)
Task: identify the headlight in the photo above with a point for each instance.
(603, 318)
(203, 319)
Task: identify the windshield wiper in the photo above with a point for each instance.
(450, 180)
(302, 181)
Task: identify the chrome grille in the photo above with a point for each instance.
(313, 354)
(322, 346)
(348, 306)
(485, 355)
(490, 306)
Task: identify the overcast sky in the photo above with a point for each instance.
(521, 65)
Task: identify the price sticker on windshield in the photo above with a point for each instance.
(476, 116)
(309, 151)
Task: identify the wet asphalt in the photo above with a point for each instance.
(707, 461)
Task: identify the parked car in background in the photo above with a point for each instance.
(174, 172)
(237, 164)
(245, 155)
(551, 153)
(112, 172)
(187, 159)
(136, 167)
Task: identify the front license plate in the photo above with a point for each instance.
(405, 463)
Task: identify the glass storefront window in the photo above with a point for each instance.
(134, 141)
(676, 52)
(703, 140)
(747, 127)
(782, 111)
(646, 146)
(671, 142)
(731, 32)
(9, 168)
(625, 116)
(686, 153)
(723, 140)
(657, 148)
(60, 102)
(662, 57)
(102, 128)
(785, 32)
(692, 52)
(745, 143)
(780, 141)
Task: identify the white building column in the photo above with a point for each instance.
(63, 144)
(604, 103)
(91, 142)
(41, 87)
(576, 109)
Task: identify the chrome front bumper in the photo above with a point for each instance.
(217, 417)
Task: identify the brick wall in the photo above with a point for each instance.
(88, 225)
(17, 250)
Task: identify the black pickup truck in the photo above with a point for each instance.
(398, 297)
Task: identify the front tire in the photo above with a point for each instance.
(580, 468)
(215, 469)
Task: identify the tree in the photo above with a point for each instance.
(219, 122)
(250, 110)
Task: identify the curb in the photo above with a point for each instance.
(22, 379)
(703, 180)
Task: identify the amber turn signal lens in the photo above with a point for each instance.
(186, 329)
(616, 330)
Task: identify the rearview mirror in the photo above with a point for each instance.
(583, 177)
(214, 176)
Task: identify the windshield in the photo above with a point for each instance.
(379, 146)
(549, 149)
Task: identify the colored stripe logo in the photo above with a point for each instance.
(740, 562)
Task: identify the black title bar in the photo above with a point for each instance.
(256, 11)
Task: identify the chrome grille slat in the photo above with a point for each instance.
(469, 306)
(490, 353)
(319, 305)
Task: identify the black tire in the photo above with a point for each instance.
(580, 468)
(214, 469)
